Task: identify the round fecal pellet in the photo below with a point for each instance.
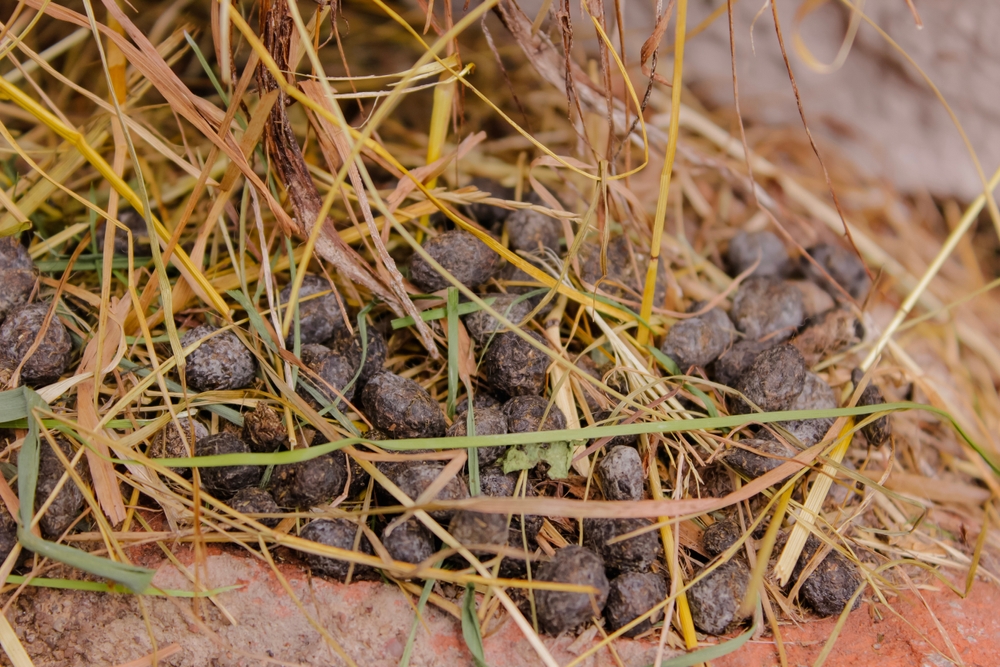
(757, 456)
(69, 502)
(401, 408)
(319, 316)
(17, 336)
(878, 431)
(170, 443)
(253, 500)
(842, 265)
(465, 257)
(494, 482)
(481, 325)
(220, 363)
(695, 342)
(728, 368)
(634, 554)
(715, 600)
(559, 611)
(224, 481)
(264, 430)
(531, 231)
(309, 483)
(488, 421)
(621, 475)
(720, 536)
(478, 529)
(746, 248)
(631, 595)
(409, 542)
(767, 307)
(8, 533)
(831, 585)
(336, 374)
(529, 414)
(415, 478)
(514, 366)
(17, 273)
(339, 533)
(489, 216)
(816, 394)
(828, 334)
(373, 356)
(772, 382)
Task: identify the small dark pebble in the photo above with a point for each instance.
(844, 267)
(746, 248)
(170, 443)
(751, 465)
(716, 599)
(69, 502)
(458, 252)
(335, 370)
(604, 418)
(224, 481)
(309, 483)
(490, 217)
(481, 325)
(319, 316)
(635, 554)
(17, 273)
(631, 595)
(349, 347)
(815, 395)
(620, 474)
(525, 415)
(772, 382)
(830, 586)
(720, 536)
(479, 529)
(220, 363)
(515, 367)
(489, 421)
(264, 430)
(416, 477)
(728, 368)
(136, 224)
(766, 307)
(401, 408)
(409, 542)
(559, 611)
(879, 431)
(529, 231)
(830, 333)
(253, 500)
(339, 533)
(17, 335)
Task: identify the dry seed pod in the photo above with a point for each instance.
(224, 481)
(17, 275)
(530, 231)
(489, 421)
(170, 443)
(17, 335)
(319, 317)
(309, 483)
(409, 542)
(752, 465)
(728, 368)
(844, 267)
(136, 224)
(476, 528)
(514, 366)
(401, 408)
(720, 536)
(220, 363)
(481, 325)
(559, 611)
(339, 533)
(766, 307)
(417, 477)
(620, 473)
(830, 586)
(69, 502)
(716, 599)
(461, 254)
(879, 431)
(772, 382)
(746, 248)
(830, 333)
(631, 595)
(264, 430)
(635, 554)
(253, 500)
(336, 371)
(374, 355)
(815, 395)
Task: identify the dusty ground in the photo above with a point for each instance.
(372, 620)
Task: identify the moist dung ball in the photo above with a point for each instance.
(409, 542)
(335, 370)
(720, 536)
(493, 482)
(515, 367)
(374, 355)
(477, 528)
(829, 333)
(319, 316)
(69, 502)
(844, 267)
(253, 500)
(879, 431)
(728, 368)
(309, 483)
(415, 478)
(224, 481)
(461, 254)
(401, 408)
(815, 395)
(752, 465)
(264, 430)
(525, 415)
(746, 248)
(220, 363)
(620, 473)
(559, 611)
(490, 217)
(696, 342)
(8, 533)
(489, 421)
(530, 231)
(605, 418)
(635, 554)
(17, 275)
(339, 533)
(170, 443)
(772, 381)
(136, 224)
(716, 599)
(766, 307)
(830, 586)
(481, 325)
(631, 595)
(17, 335)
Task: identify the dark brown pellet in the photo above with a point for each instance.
(8, 533)
(481, 325)
(772, 382)
(309, 483)
(631, 595)
(319, 316)
(620, 474)
(844, 267)
(604, 418)
(815, 395)
(220, 363)
(339, 533)
(514, 366)
(264, 430)
(17, 273)
(480, 401)
(493, 482)
(531, 231)
(488, 421)
(374, 354)
(634, 554)
(17, 335)
(336, 372)
(409, 542)
(416, 477)
(69, 502)
(401, 408)
(716, 599)
(720, 536)
(746, 248)
(751, 464)
(478, 529)
(879, 431)
(170, 443)
(529, 414)
(728, 368)
(224, 481)
(766, 307)
(253, 500)
(830, 586)
(490, 217)
(465, 257)
(697, 341)
(830, 333)
(559, 611)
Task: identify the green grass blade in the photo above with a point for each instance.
(710, 652)
(470, 627)
(452, 350)
(101, 587)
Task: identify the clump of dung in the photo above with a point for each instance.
(461, 254)
(220, 363)
(18, 333)
(401, 408)
(319, 316)
(559, 611)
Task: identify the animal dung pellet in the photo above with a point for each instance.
(843, 265)
(631, 595)
(634, 554)
(335, 371)
(514, 366)
(715, 600)
(69, 502)
(767, 307)
(349, 347)
(8, 533)
(621, 475)
(264, 430)
(478, 529)
(415, 478)
(171, 443)
(816, 394)
(17, 336)
(720, 536)
(832, 583)
(746, 460)
(531, 231)
(338, 533)
(696, 341)
(219, 363)
(829, 333)
(772, 382)
(488, 421)
(136, 224)
(493, 482)
(489, 216)
(253, 500)
(481, 400)
(409, 541)
(17, 275)
(224, 481)
(401, 408)
(716, 480)
(604, 418)
(728, 368)
(319, 316)
(309, 483)
(469, 260)
(878, 431)
(529, 414)
(559, 611)
(746, 248)
(815, 299)
(481, 325)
